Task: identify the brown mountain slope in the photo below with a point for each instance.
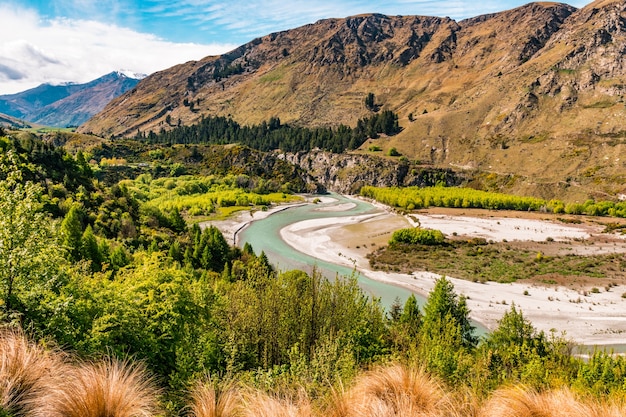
(535, 92)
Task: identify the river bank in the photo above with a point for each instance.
(585, 317)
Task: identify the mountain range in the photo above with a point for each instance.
(534, 95)
(67, 104)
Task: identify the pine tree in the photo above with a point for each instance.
(72, 232)
(446, 335)
(90, 249)
(411, 316)
(444, 304)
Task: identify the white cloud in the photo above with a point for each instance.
(35, 50)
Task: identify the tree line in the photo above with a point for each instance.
(411, 198)
(272, 135)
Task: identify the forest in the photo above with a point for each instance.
(144, 313)
(272, 135)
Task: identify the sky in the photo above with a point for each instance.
(56, 41)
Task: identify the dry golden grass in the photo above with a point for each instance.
(26, 370)
(259, 404)
(207, 400)
(392, 391)
(520, 401)
(108, 388)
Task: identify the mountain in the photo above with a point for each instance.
(12, 122)
(532, 95)
(66, 104)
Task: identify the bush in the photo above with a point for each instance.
(393, 152)
(418, 236)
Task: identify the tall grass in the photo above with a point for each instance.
(209, 399)
(393, 391)
(520, 401)
(259, 404)
(38, 382)
(108, 388)
(26, 371)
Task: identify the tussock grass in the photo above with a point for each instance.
(26, 372)
(212, 400)
(391, 391)
(611, 409)
(520, 401)
(110, 388)
(259, 404)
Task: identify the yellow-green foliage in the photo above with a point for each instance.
(198, 195)
(418, 236)
(414, 198)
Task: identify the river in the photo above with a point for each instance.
(264, 235)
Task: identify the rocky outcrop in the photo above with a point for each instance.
(347, 173)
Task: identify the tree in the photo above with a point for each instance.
(513, 348)
(369, 101)
(411, 316)
(446, 335)
(90, 249)
(444, 304)
(71, 232)
(29, 254)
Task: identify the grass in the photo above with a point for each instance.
(39, 382)
(394, 390)
(26, 371)
(524, 402)
(109, 387)
(498, 262)
(256, 403)
(207, 399)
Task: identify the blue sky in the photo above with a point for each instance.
(79, 40)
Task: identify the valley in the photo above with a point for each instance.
(375, 214)
(564, 301)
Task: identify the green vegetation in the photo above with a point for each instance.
(479, 260)
(150, 306)
(412, 198)
(202, 196)
(273, 135)
(417, 236)
(393, 152)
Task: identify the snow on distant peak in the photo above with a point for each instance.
(131, 74)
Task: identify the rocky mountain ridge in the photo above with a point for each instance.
(534, 92)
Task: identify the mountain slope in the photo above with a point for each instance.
(534, 92)
(66, 104)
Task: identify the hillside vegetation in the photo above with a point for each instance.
(150, 306)
(534, 93)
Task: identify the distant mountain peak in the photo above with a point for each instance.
(68, 103)
(130, 74)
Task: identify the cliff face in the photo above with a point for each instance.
(346, 174)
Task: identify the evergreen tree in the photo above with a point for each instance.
(444, 304)
(446, 335)
(90, 249)
(177, 222)
(72, 232)
(411, 316)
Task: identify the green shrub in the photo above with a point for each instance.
(393, 152)
(418, 236)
